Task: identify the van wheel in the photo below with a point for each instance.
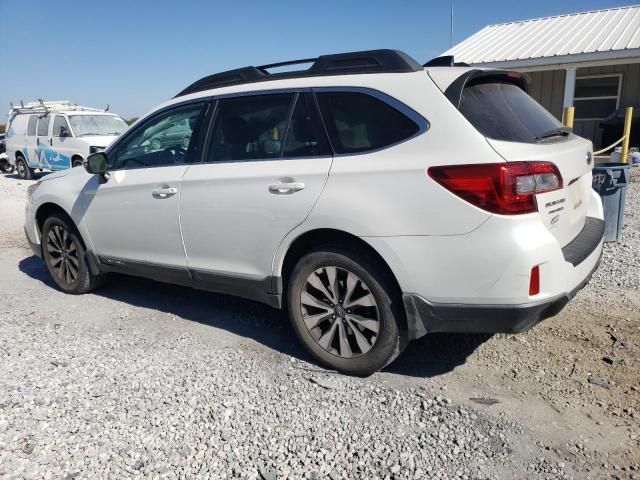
(24, 171)
(65, 256)
(77, 162)
(345, 311)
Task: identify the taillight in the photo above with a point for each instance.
(506, 188)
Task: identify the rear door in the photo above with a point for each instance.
(31, 141)
(267, 162)
(43, 149)
(520, 129)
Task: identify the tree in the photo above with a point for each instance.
(131, 120)
(2, 127)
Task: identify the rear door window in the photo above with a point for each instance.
(31, 128)
(503, 111)
(358, 122)
(250, 127)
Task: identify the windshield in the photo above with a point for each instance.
(97, 125)
(503, 111)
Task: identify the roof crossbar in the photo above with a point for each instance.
(369, 61)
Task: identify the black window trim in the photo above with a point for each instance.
(421, 122)
(113, 148)
(207, 121)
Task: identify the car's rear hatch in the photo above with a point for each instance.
(519, 129)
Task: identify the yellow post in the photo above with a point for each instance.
(568, 117)
(624, 155)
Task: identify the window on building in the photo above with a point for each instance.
(596, 97)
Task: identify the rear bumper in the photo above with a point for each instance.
(425, 317)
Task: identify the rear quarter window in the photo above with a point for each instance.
(357, 122)
(503, 111)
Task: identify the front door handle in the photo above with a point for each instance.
(286, 188)
(164, 192)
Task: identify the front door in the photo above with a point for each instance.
(265, 166)
(133, 217)
(61, 143)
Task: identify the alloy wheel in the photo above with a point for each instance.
(21, 169)
(340, 312)
(63, 254)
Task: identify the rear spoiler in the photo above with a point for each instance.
(473, 77)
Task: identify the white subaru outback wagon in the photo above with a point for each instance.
(376, 199)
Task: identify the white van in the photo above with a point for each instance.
(57, 135)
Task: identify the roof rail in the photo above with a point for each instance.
(368, 61)
(444, 61)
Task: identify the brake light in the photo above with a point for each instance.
(506, 188)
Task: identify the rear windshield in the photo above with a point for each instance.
(503, 111)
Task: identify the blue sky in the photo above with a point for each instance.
(134, 54)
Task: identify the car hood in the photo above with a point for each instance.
(99, 140)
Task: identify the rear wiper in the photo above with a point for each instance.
(556, 132)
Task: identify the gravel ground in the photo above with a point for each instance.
(145, 380)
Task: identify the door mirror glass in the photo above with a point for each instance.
(96, 163)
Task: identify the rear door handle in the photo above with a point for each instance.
(164, 192)
(286, 188)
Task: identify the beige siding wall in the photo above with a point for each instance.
(548, 89)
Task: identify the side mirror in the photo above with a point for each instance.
(64, 132)
(96, 163)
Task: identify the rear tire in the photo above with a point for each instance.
(65, 256)
(76, 162)
(25, 172)
(354, 327)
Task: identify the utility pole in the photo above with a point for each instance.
(451, 28)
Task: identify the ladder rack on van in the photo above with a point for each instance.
(48, 107)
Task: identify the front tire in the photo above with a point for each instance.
(65, 256)
(345, 310)
(24, 171)
(76, 162)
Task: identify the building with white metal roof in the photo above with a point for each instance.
(590, 60)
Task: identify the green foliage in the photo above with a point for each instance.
(131, 120)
